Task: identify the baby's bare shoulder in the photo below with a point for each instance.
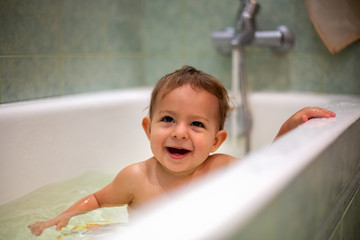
(137, 169)
(220, 159)
(132, 173)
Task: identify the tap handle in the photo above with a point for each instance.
(245, 23)
(249, 8)
(246, 13)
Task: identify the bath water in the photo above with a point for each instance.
(50, 200)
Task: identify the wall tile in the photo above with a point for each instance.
(25, 78)
(307, 73)
(28, 27)
(163, 26)
(84, 73)
(156, 66)
(160, 36)
(125, 26)
(124, 71)
(268, 71)
(273, 13)
(217, 65)
(83, 26)
(201, 18)
(306, 38)
(342, 74)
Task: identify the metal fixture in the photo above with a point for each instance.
(245, 33)
(233, 40)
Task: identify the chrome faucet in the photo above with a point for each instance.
(234, 40)
(246, 33)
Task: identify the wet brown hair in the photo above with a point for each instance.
(198, 80)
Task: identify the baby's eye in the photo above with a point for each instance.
(198, 124)
(167, 119)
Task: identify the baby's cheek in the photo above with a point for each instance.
(205, 145)
(156, 142)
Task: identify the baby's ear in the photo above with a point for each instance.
(146, 124)
(219, 139)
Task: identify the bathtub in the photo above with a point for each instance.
(302, 186)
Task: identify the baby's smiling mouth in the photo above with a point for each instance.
(177, 151)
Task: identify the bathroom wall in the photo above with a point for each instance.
(60, 47)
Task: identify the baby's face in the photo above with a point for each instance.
(183, 130)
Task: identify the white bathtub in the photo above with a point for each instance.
(298, 187)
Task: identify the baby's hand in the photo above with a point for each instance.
(302, 116)
(314, 112)
(60, 221)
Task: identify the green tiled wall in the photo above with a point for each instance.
(59, 47)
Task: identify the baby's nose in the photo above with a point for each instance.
(180, 131)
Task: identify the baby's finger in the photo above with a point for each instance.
(304, 118)
(317, 112)
(326, 113)
(60, 225)
(36, 228)
(331, 113)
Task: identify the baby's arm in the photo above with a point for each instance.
(82, 206)
(114, 194)
(302, 116)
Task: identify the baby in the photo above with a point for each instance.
(185, 125)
